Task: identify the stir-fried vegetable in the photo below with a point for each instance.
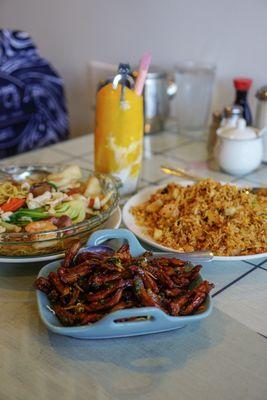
(19, 217)
(9, 227)
(62, 179)
(12, 204)
(62, 197)
(74, 209)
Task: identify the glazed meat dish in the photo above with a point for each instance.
(90, 285)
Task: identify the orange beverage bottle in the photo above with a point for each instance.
(119, 134)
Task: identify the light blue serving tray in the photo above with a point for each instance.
(107, 327)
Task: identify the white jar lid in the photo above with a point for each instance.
(239, 132)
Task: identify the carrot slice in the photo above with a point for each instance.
(91, 203)
(12, 204)
(73, 191)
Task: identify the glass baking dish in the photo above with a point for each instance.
(54, 242)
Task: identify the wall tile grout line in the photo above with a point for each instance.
(145, 181)
(234, 281)
(57, 150)
(154, 183)
(33, 152)
(262, 268)
(65, 160)
(182, 144)
(162, 152)
(69, 154)
(65, 153)
(175, 158)
(184, 160)
(180, 159)
(250, 263)
(257, 265)
(241, 177)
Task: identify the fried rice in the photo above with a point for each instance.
(208, 215)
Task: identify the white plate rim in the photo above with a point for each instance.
(117, 215)
(142, 196)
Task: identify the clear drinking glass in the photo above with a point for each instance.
(194, 94)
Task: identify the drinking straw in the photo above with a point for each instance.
(143, 69)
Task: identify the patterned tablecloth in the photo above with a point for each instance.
(224, 357)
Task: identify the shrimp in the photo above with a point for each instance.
(41, 226)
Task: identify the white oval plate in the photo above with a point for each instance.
(113, 222)
(130, 223)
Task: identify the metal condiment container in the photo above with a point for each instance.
(261, 111)
(261, 116)
(158, 91)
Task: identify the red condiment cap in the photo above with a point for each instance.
(242, 83)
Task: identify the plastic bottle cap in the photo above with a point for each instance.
(242, 83)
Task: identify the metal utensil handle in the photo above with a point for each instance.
(195, 256)
(101, 236)
(181, 173)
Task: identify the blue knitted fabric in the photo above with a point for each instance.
(33, 110)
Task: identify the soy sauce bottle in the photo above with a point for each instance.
(242, 86)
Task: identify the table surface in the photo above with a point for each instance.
(223, 357)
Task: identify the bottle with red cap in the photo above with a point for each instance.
(242, 86)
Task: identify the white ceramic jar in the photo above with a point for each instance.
(239, 149)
